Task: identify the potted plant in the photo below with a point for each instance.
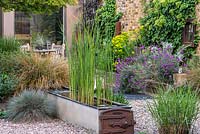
(89, 100)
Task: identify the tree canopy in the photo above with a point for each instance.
(34, 6)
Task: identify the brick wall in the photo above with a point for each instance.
(132, 11)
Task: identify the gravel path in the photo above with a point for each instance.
(47, 127)
(143, 118)
(144, 122)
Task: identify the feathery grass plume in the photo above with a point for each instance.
(42, 72)
(30, 106)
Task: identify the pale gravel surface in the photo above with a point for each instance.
(144, 121)
(47, 127)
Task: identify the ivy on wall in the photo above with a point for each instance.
(106, 17)
(164, 21)
(34, 6)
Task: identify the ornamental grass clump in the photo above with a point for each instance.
(43, 73)
(194, 74)
(9, 44)
(30, 106)
(34, 71)
(175, 110)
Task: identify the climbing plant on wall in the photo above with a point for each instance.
(165, 20)
(34, 6)
(106, 17)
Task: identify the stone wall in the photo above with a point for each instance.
(198, 28)
(132, 11)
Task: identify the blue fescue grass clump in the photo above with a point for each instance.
(30, 106)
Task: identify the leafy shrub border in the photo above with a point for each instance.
(165, 20)
(105, 19)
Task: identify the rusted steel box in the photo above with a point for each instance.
(115, 119)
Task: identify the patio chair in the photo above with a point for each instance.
(60, 49)
(25, 48)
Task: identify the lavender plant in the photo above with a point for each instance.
(155, 65)
(165, 62)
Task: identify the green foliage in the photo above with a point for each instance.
(82, 68)
(9, 64)
(194, 63)
(122, 45)
(34, 6)
(34, 71)
(90, 65)
(30, 106)
(9, 45)
(2, 114)
(120, 98)
(106, 17)
(7, 86)
(142, 133)
(165, 20)
(175, 110)
(194, 74)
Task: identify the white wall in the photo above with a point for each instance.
(8, 24)
(1, 22)
(72, 17)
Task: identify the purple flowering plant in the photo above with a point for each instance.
(155, 63)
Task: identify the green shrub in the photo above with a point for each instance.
(122, 46)
(9, 45)
(106, 17)
(30, 106)
(2, 114)
(175, 110)
(9, 64)
(120, 98)
(164, 22)
(7, 86)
